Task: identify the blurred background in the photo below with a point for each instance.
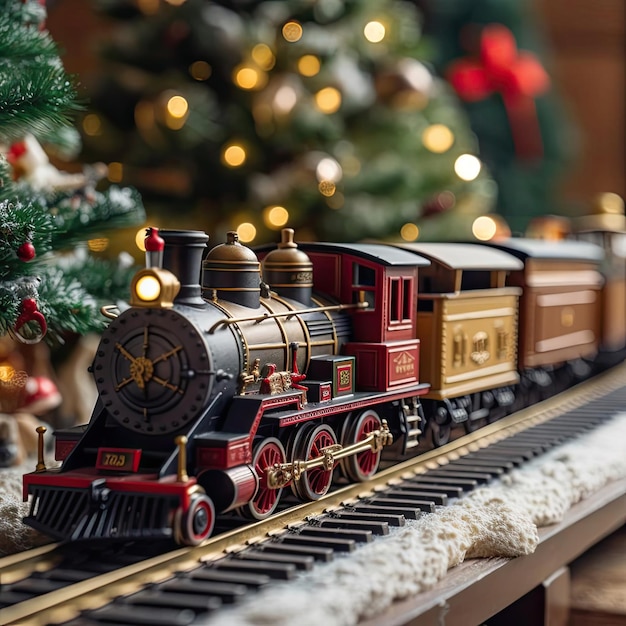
(254, 115)
(342, 119)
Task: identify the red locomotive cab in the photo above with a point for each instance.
(384, 280)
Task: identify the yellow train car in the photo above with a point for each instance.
(467, 324)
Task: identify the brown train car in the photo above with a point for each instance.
(467, 324)
(607, 229)
(560, 306)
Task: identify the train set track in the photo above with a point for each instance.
(63, 584)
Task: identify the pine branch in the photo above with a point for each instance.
(79, 217)
(38, 101)
(30, 44)
(20, 223)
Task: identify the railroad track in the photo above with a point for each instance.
(58, 584)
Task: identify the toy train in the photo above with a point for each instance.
(231, 379)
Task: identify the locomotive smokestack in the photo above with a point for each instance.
(183, 257)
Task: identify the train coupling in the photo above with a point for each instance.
(281, 474)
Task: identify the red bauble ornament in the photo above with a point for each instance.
(26, 252)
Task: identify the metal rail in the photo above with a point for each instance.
(66, 603)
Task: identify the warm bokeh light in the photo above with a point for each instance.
(467, 167)
(275, 216)
(374, 32)
(327, 188)
(115, 172)
(98, 245)
(484, 228)
(609, 202)
(246, 232)
(328, 100)
(7, 373)
(292, 32)
(148, 288)
(285, 99)
(92, 125)
(200, 70)
(328, 169)
(140, 239)
(177, 106)
(437, 138)
(234, 155)
(247, 77)
(409, 232)
(263, 56)
(309, 65)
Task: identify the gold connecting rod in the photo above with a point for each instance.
(281, 474)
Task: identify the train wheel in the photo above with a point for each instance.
(266, 453)
(195, 525)
(439, 427)
(307, 445)
(440, 434)
(362, 466)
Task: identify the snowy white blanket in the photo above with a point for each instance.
(496, 521)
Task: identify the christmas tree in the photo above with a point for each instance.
(250, 115)
(50, 283)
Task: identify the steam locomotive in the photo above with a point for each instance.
(231, 379)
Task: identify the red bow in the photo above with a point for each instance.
(517, 75)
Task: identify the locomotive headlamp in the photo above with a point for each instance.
(154, 287)
(148, 288)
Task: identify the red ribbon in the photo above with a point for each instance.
(517, 75)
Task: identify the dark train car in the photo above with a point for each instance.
(467, 323)
(560, 306)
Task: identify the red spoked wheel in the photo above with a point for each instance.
(362, 466)
(308, 444)
(195, 525)
(267, 453)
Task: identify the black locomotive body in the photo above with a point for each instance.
(231, 379)
(218, 397)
